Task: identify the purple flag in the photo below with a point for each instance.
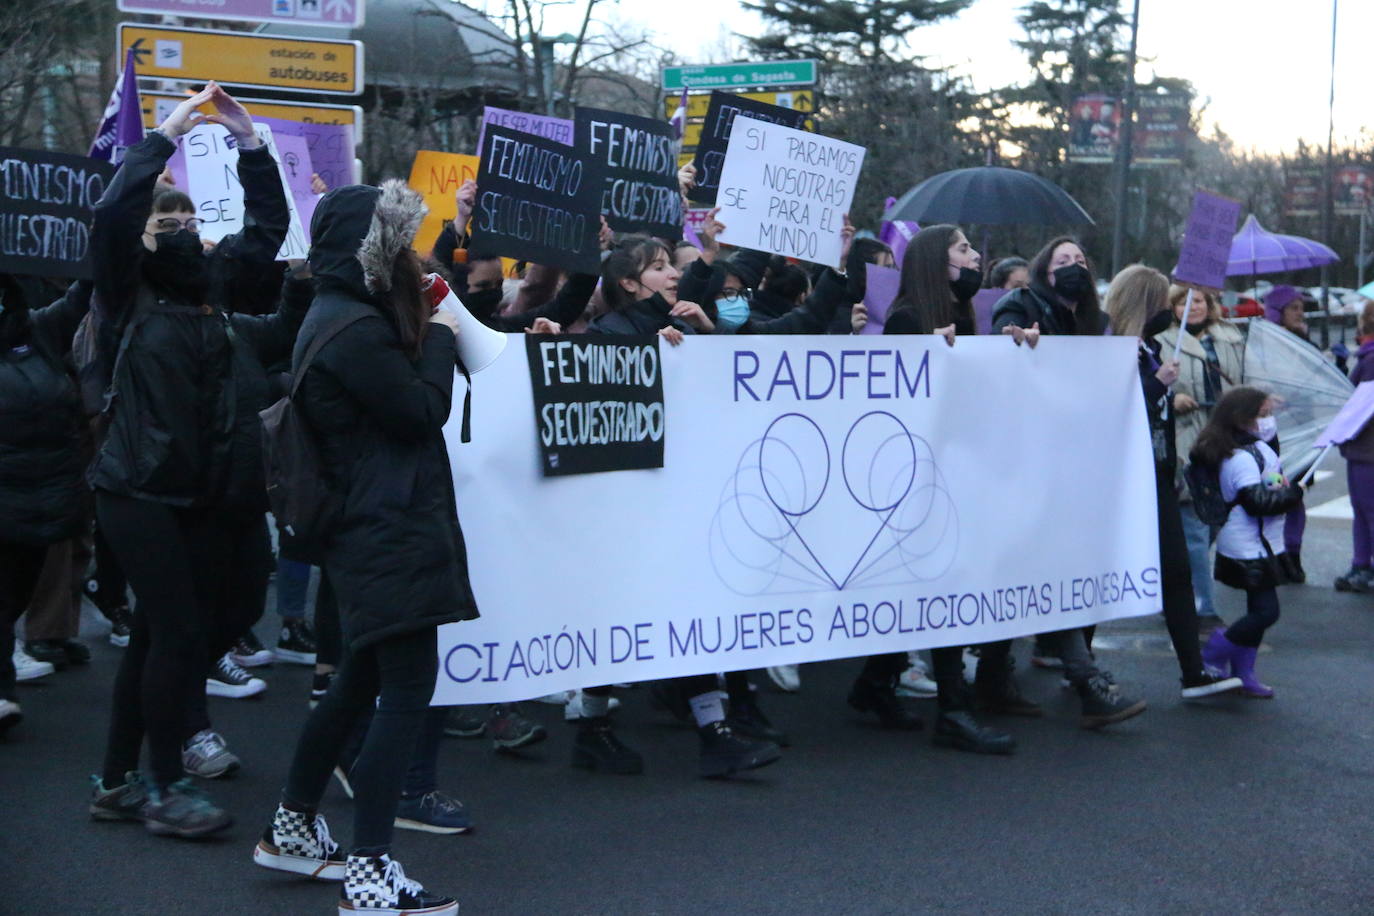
(1351, 419)
(880, 288)
(895, 234)
(122, 124)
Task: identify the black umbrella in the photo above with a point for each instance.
(987, 196)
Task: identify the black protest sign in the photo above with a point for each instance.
(639, 155)
(598, 402)
(715, 136)
(537, 200)
(47, 202)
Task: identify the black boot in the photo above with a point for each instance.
(999, 693)
(747, 720)
(1104, 703)
(597, 748)
(723, 752)
(958, 729)
(1292, 566)
(881, 699)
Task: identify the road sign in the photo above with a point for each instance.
(157, 105)
(244, 59)
(345, 14)
(725, 76)
(697, 103)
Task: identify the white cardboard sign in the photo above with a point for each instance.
(212, 181)
(786, 191)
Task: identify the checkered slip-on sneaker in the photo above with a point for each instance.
(377, 886)
(300, 844)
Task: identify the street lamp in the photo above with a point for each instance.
(544, 52)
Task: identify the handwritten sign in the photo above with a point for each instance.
(212, 181)
(1207, 241)
(786, 191)
(559, 129)
(46, 211)
(537, 200)
(598, 402)
(294, 155)
(715, 136)
(437, 176)
(331, 147)
(640, 185)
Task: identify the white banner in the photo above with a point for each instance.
(821, 497)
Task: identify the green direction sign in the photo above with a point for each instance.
(726, 76)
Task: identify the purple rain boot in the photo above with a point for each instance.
(1219, 654)
(1244, 661)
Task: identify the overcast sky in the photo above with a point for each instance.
(1264, 64)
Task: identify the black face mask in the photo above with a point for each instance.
(483, 302)
(179, 266)
(1158, 323)
(969, 282)
(1073, 282)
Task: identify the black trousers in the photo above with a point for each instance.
(1176, 579)
(20, 565)
(397, 675)
(167, 554)
(946, 662)
(1261, 613)
(237, 589)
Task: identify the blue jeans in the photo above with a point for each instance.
(293, 583)
(1199, 536)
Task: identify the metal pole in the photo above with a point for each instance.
(1329, 202)
(1123, 152)
(1359, 265)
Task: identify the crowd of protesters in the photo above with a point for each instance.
(131, 472)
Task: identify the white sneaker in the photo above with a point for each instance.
(28, 668)
(10, 715)
(558, 698)
(915, 680)
(226, 679)
(572, 711)
(787, 677)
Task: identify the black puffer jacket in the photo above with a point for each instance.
(1036, 303)
(397, 559)
(44, 448)
(187, 390)
(647, 316)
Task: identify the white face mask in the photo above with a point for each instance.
(1266, 428)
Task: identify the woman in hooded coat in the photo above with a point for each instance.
(377, 387)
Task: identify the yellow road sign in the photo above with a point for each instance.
(244, 59)
(797, 100)
(157, 105)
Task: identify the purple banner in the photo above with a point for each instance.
(984, 301)
(331, 147)
(294, 153)
(345, 14)
(1207, 240)
(1351, 419)
(880, 288)
(559, 129)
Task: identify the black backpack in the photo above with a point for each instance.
(304, 505)
(1204, 483)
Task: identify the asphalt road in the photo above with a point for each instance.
(1227, 806)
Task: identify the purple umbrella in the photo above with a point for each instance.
(1256, 250)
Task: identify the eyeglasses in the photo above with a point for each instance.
(744, 293)
(172, 224)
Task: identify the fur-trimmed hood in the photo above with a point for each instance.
(358, 230)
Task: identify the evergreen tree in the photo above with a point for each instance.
(873, 91)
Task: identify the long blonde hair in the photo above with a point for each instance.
(1136, 294)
